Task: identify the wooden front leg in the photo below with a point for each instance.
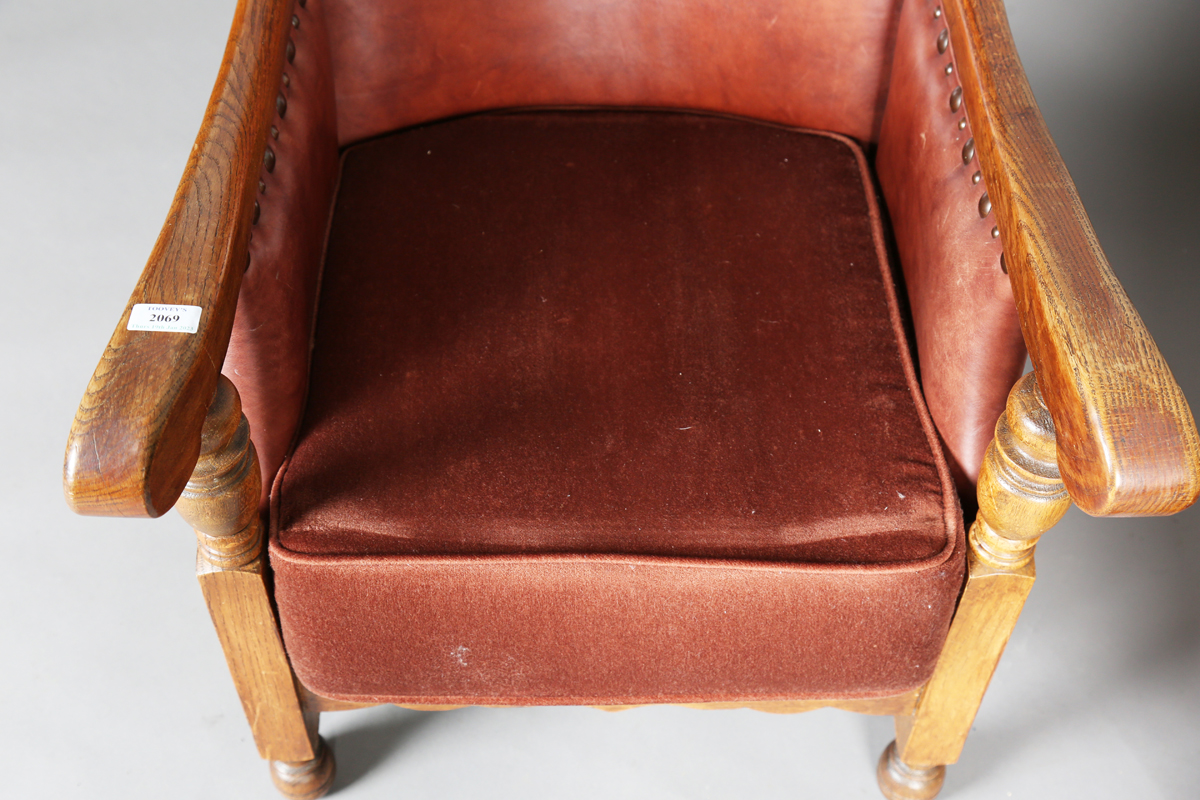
(221, 503)
(1021, 496)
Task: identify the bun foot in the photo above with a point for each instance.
(305, 780)
(899, 781)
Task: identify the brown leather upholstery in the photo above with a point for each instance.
(818, 64)
(609, 408)
(968, 335)
(269, 350)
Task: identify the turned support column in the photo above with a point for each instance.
(221, 504)
(1021, 496)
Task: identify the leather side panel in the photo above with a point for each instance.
(269, 349)
(819, 64)
(968, 335)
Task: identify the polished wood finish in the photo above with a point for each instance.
(1020, 497)
(306, 780)
(880, 706)
(136, 435)
(220, 500)
(221, 503)
(899, 781)
(1127, 442)
(241, 612)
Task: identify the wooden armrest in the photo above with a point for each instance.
(136, 436)
(1127, 442)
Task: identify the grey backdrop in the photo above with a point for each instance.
(114, 685)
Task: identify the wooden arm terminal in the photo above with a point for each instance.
(136, 436)
(1127, 442)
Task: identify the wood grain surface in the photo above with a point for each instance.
(136, 435)
(1127, 442)
(880, 706)
(1021, 496)
(221, 503)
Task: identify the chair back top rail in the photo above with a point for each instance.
(1127, 442)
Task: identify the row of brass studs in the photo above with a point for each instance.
(968, 151)
(281, 107)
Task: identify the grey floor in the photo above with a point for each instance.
(114, 685)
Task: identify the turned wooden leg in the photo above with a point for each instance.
(305, 780)
(221, 503)
(1020, 497)
(899, 781)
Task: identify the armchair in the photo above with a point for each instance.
(527, 523)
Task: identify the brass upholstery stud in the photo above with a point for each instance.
(962, 124)
(976, 177)
(937, 12)
(269, 160)
(274, 132)
(295, 22)
(262, 188)
(949, 69)
(286, 80)
(281, 104)
(956, 99)
(1003, 266)
(995, 231)
(291, 51)
(257, 211)
(985, 205)
(968, 151)
(943, 40)
(303, 3)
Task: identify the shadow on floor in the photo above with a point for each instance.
(363, 748)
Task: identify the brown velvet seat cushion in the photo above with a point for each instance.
(611, 407)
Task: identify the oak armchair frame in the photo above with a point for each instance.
(1103, 425)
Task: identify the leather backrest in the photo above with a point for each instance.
(819, 64)
(969, 341)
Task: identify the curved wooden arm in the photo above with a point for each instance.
(136, 436)
(1127, 443)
